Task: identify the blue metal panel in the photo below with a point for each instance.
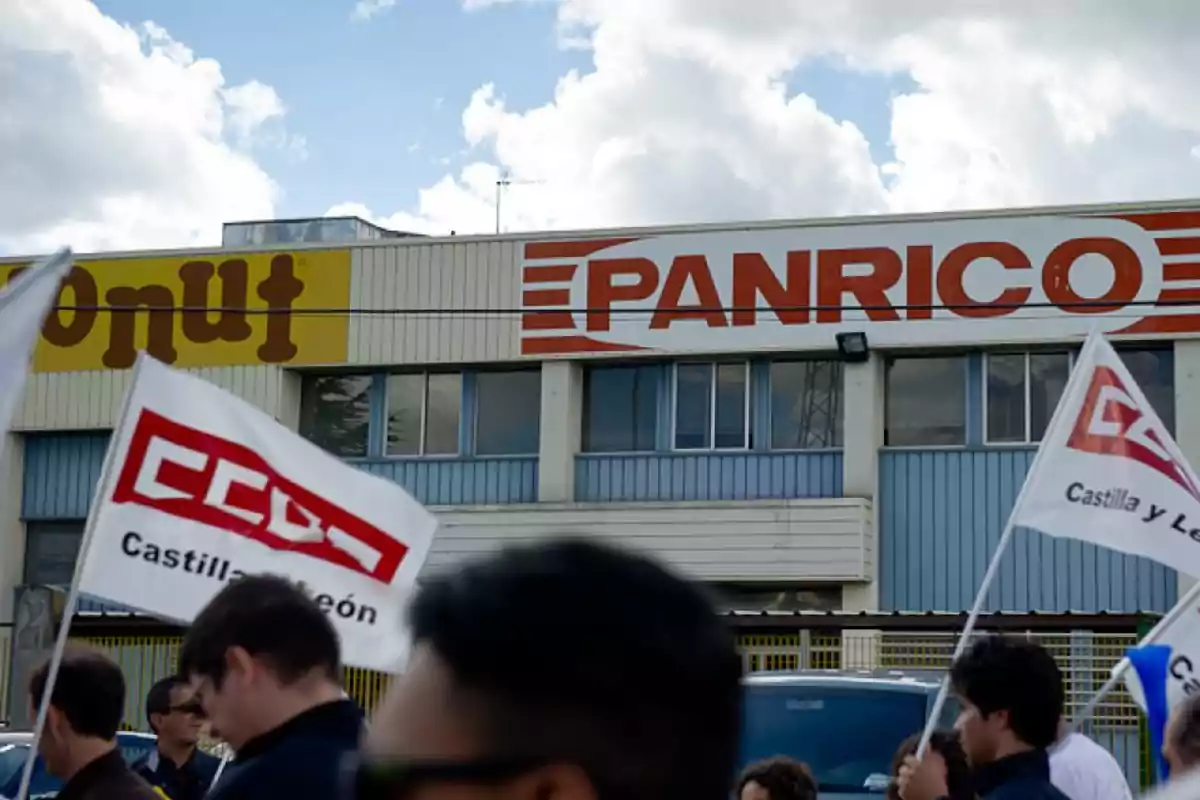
(940, 517)
(707, 476)
(61, 471)
(462, 481)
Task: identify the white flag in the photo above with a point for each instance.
(201, 487)
(23, 306)
(1109, 473)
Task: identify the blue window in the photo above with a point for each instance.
(422, 413)
(335, 413)
(806, 404)
(1021, 391)
(925, 401)
(507, 412)
(620, 408)
(712, 406)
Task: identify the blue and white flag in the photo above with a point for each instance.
(1152, 664)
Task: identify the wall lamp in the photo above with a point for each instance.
(852, 347)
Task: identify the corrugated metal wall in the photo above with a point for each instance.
(940, 517)
(477, 277)
(707, 476)
(89, 400)
(61, 472)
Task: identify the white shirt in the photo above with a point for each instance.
(1083, 770)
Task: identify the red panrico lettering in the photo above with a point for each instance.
(888, 284)
(197, 476)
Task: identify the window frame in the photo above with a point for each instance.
(768, 407)
(473, 439)
(968, 387)
(662, 387)
(985, 400)
(747, 405)
(382, 436)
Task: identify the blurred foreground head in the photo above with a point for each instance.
(1181, 744)
(87, 705)
(560, 671)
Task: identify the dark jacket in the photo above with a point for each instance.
(191, 781)
(107, 778)
(300, 758)
(1024, 776)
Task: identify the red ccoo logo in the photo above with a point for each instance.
(194, 475)
(1111, 423)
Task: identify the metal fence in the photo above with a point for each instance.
(1085, 658)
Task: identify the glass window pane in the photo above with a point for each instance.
(50, 551)
(442, 409)
(507, 411)
(1005, 397)
(404, 395)
(335, 413)
(731, 405)
(620, 408)
(1048, 376)
(1154, 371)
(806, 404)
(926, 402)
(693, 405)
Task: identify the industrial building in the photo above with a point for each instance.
(827, 421)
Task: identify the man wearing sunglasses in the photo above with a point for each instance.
(177, 765)
(558, 671)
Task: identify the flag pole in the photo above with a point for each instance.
(994, 566)
(1118, 672)
(64, 628)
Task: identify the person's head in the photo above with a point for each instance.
(560, 671)
(1012, 698)
(259, 653)
(87, 704)
(1181, 744)
(947, 745)
(778, 778)
(174, 713)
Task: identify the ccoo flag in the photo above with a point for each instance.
(200, 488)
(1109, 473)
(23, 306)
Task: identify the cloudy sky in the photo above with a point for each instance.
(138, 123)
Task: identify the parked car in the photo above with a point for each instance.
(14, 749)
(845, 725)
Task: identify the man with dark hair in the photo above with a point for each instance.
(79, 742)
(559, 671)
(176, 765)
(265, 663)
(1011, 692)
(778, 778)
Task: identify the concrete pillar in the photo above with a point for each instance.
(863, 436)
(561, 430)
(1187, 423)
(12, 530)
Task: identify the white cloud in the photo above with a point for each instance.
(685, 115)
(115, 137)
(365, 9)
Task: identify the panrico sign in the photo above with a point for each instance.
(194, 475)
(970, 280)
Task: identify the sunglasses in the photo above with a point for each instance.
(364, 779)
(192, 707)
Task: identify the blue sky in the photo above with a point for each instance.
(362, 93)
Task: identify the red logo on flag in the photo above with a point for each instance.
(1111, 424)
(191, 474)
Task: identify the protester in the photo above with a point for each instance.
(778, 778)
(1181, 740)
(177, 765)
(79, 742)
(944, 745)
(563, 670)
(1083, 770)
(1011, 692)
(265, 664)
